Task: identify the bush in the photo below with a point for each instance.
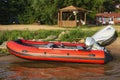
(26, 34)
(73, 34)
(41, 34)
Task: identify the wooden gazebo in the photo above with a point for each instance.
(71, 16)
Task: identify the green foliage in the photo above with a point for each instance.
(26, 34)
(42, 34)
(45, 11)
(27, 19)
(10, 9)
(74, 34)
(111, 5)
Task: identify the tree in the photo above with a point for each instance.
(4, 16)
(98, 4)
(45, 11)
(109, 6)
(9, 10)
(28, 14)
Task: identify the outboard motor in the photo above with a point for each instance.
(100, 39)
(91, 44)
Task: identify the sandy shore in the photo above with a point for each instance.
(12, 58)
(115, 47)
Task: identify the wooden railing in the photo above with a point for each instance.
(68, 23)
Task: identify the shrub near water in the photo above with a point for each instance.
(4, 52)
(26, 34)
(41, 34)
(74, 34)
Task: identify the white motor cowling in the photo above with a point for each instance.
(105, 36)
(91, 44)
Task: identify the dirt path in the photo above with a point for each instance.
(30, 27)
(48, 27)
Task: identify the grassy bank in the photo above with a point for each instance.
(41, 34)
(26, 34)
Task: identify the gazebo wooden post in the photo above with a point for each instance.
(76, 20)
(85, 17)
(76, 17)
(59, 18)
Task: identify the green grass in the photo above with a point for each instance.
(74, 34)
(41, 34)
(26, 34)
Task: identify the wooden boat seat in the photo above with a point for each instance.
(80, 48)
(51, 45)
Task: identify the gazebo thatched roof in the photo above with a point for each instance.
(72, 8)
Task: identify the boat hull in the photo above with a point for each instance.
(56, 54)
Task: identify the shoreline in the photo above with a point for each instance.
(114, 47)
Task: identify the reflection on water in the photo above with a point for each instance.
(44, 70)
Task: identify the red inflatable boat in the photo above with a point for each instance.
(56, 51)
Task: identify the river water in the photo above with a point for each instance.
(13, 68)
